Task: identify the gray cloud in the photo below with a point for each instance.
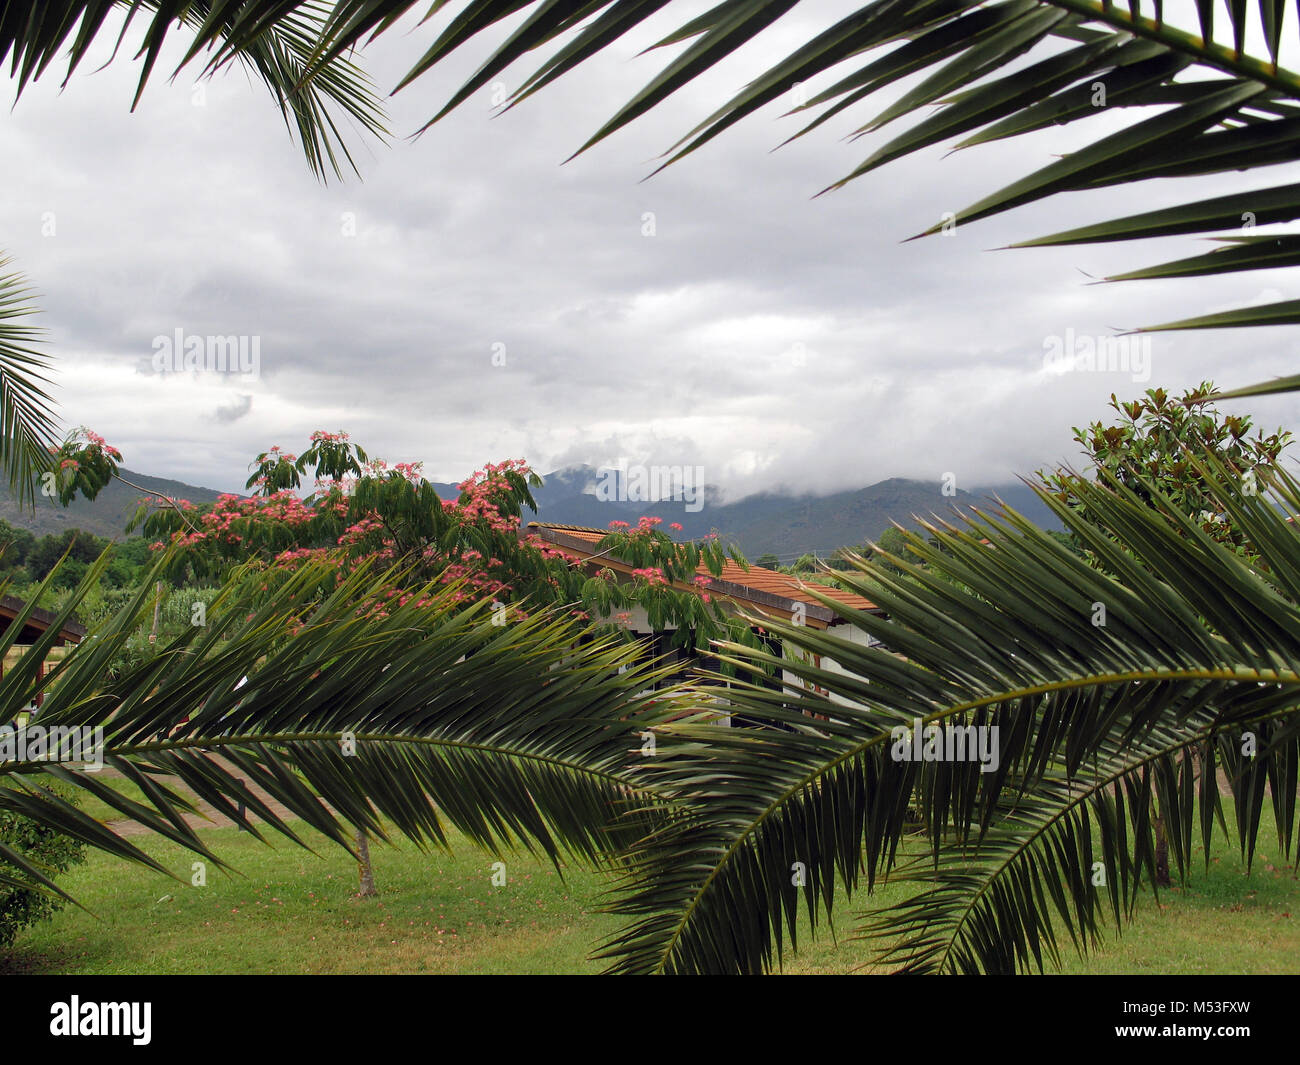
(234, 410)
(775, 339)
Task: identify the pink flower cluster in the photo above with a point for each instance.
(652, 575)
(544, 547)
(94, 440)
(300, 555)
(356, 533)
(482, 490)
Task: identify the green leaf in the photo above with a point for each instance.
(27, 425)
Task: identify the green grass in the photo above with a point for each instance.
(1223, 921)
(293, 912)
(98, 809)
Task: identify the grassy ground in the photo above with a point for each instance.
(292, 912)
(97, 807)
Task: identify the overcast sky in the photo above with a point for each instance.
(773, 339)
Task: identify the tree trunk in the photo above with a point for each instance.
(157, 602)
(1162, 854)
(365, 874)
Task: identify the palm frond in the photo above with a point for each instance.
(997, 626)
(278, 40)
(27, 425)
(1071, 852)
(418, 716)
(1085, 56)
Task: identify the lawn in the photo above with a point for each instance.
(294, 912)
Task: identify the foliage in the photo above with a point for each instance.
(41, 845)
(26, 419)
(26, 559)
(365, 512)
(1160, 446)
(312, 99)
(996, 628)
(893, 542)
(1079, 57)
(424, 715)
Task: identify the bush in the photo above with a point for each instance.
(41, 845)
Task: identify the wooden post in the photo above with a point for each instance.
(153, 633)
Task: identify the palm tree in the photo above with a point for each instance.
(997, 625)
(417, 716)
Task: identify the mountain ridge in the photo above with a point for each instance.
(780, 522)
(106, 515)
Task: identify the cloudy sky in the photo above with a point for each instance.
(769, 337)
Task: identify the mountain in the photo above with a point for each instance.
(106, 515)
(785, 524)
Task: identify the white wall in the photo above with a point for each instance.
(843, 631)
(638, 622)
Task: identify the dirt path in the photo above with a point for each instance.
(208, 817)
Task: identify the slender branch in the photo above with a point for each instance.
(165, 498)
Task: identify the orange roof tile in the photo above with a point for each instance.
(759, 578)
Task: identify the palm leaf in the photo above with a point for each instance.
(27, 426)
(277, 42)
(995, 627)
(1240, 114)
(501, 731)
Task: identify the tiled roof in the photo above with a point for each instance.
(37, 623)
(580, 532)
(758, 578)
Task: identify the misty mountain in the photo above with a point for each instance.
(783, 523)
(106, 515)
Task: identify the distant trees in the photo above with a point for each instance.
(26, 559)
(1181, 452)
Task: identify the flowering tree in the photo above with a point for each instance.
(363, 512)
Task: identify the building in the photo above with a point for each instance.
(755, 591)
(36, 624)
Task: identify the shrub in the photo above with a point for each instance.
(41, 845)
